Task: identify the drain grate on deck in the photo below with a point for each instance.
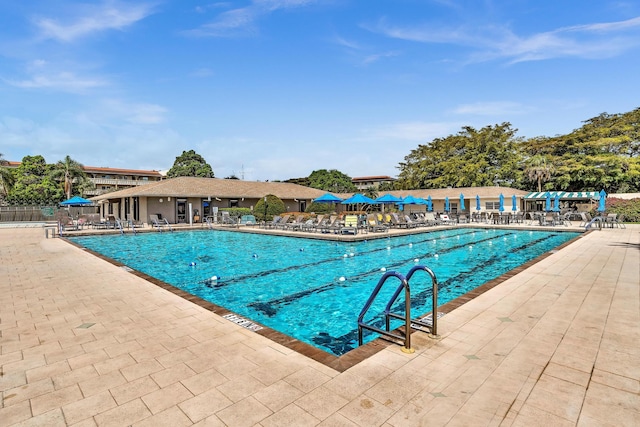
(241, 321)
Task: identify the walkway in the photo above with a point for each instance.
(84, 342)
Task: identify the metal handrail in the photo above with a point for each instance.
(208, 221)
(434, 301)
(407, 335)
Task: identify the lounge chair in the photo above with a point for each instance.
(374, 225)
(430, 219)
(445, 219)
(330, 225)
(410, 222)
(297, 224)
(350, 225)
(273, 223)
(282, 224)
(312, 225)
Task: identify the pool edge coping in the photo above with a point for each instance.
(357, 355)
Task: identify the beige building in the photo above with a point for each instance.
(174, 198)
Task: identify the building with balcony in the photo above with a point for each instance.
(107, 180)
(364, 182)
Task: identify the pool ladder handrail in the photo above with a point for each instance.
(119, 225)
(404, 339)
(208, 221)
(433, 327)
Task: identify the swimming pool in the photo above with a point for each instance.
(313, 290)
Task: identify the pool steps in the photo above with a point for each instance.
(429, 323)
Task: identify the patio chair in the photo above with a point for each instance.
(247, 220)
(350, 225)
(273, 223)
(296, 224)
(330, 225)
(430, 219)
(282, 224)
(374, 225)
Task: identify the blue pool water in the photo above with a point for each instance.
(313, 290)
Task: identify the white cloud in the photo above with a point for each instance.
(242, 21)
(496, 108)
(62, 81)
(135, 113)
(594, 41)
(95, 18)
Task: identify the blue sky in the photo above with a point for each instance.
(275, 89)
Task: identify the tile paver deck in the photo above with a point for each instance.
(83, 341)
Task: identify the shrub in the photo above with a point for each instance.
(236, 213)
(275, 206)
(629, 208)
(320, 208)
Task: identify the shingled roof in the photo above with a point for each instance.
(215, 187)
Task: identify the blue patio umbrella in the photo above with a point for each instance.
(602, 201)
(514, 203)
(478, 203)
(446, 204)
(358, 199)
(410, 200)
(76, 201)
(501, 207)
(429, 204)
(388, 199)
(327, 198)
(462, 207)
(556, 203)
(547, 203)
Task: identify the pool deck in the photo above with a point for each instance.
(85, 342)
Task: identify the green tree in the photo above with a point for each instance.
(331, 180)
(34, 184)
(274, 206)
(538, 170)
(68, 172)
(6, 178)
(386, 186)
(371, 192)
(471, 158)
(602, 154)
(190, 163)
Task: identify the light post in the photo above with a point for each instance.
(265, 211)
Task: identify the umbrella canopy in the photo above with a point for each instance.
(462, 207)
(446, 204)
(501, 207)
(410, 200)
(388, 199)
(478, 203)
(76, 201)
(556, 204)
(514, 203)
(602, 201)
(547, 202)
(429, 204)
(357, 199)
(327, 198)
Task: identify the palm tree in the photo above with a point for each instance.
(6, 178)
(69, 171)
(539, 171)
(371, 192)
